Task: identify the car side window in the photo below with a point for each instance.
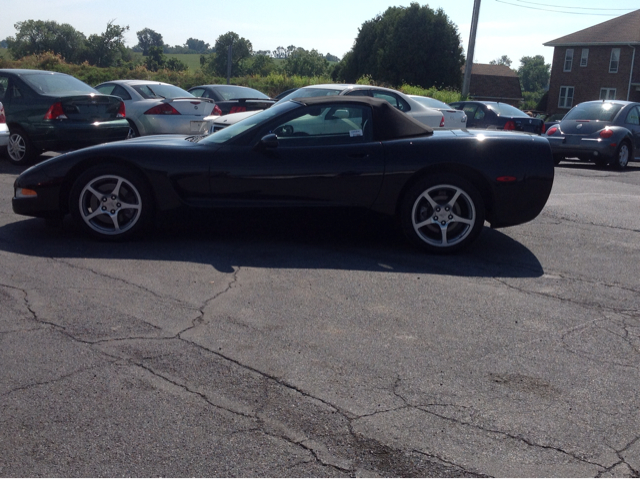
(470, 110)
(358, 93)
(327, 125)
(479, 114)
(199, 92)
(4, 86)
(121, 92)
(633, 118)
(395, 100)
(106, 89)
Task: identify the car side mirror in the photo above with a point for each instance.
(269, 141)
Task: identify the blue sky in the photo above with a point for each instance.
(515, 28)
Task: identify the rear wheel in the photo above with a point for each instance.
(621, 158)
(20, 150)
(442, 213)
(133, 131)
(111, 203)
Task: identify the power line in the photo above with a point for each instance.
(573, 8)
(558, 11)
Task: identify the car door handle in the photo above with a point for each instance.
(358, 155)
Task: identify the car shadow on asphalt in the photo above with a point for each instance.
(574, 163)
(309, 239)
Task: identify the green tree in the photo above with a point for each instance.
(108, 49)
(414, 45)
(198, 46)
(241, 49)
(304, 63)
(175, 65)
(503, 60)
(37, 36)
(534, 73)
(148, 38)
(261, 65)
(155, 59)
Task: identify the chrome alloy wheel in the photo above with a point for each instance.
(443, 215)
(110, 205)
(17, 148)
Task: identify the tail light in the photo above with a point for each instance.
(606, 133)
(510, 125)
(121, 111)
(55, 112)
(544, 128)
(216, 111)
(238, 109)
(3, 118)
(442, 121)
(162, 109)
(552, 131)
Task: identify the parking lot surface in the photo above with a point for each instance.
(298, 344)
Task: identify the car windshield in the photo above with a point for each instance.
(159, 90)
(502, 109)
(55, 84)
(431, 102)
(599, 111)
(309, 92)
(231, 92)
(234, 130)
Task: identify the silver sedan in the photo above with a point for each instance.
(452, 118)
(155, 108)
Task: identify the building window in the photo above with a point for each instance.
(615, 60)
(566, 97)
(568, 59)
(585, 57)
(607, 93)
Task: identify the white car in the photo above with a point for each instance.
(452, 118)
(428, 116)
(156, 108)
(4, 129)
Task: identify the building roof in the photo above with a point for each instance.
(494, 82)
(620, 30)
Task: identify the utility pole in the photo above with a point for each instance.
(472, 44)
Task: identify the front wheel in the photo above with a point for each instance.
(111, 203)
(442, 214)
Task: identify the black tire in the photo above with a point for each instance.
(442, 214)
(621, 158)
(20, 150)
(111, 203)
(133, 131)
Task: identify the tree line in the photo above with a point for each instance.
(534, 76)
(404, 45)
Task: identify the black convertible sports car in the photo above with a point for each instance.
(330, 151)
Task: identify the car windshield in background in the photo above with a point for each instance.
(503, 109)
(594, 111)
(237, 92)
(234, 130)
(161, 91)
(48, 84)
(309, 92)
(431, 102)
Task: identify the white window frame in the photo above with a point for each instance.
(607, 93)
(614, 62)
(564, 99)
(568, 59)
(584, 58)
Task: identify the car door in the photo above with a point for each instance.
(632, 123)
(325, 156)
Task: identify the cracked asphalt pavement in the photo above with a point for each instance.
(310, 344)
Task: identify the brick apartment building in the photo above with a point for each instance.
(600, 62)
(495, 83)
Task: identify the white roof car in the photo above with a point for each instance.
(452, 118)
(156, 108)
